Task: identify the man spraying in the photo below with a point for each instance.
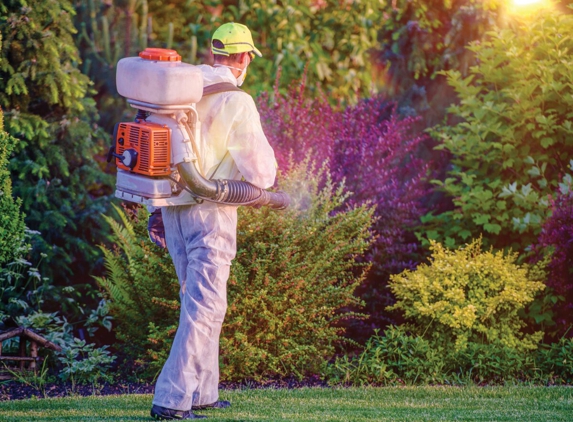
(201, 238)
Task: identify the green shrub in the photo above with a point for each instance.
(294, 274)
(492, 364)
(513, 143)
(24, 292)
(77, 362)
(467, 296)
(141, 285)
(22, 288)
(555, 361)
(84, 364)
(399, 357)
(11, 218)
(392, 358)
(48, 109)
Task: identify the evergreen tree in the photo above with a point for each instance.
(11, 219)
(49, 110)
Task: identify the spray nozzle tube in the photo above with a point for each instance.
(231, 192)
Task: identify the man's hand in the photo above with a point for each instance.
(156, 229)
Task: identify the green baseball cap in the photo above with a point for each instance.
(233, 38)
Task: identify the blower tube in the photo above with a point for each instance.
(230, 192)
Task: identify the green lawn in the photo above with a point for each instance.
(315, 404)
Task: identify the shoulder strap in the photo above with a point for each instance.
(216, 89)
(220, 87)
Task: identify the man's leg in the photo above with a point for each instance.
(202, 242)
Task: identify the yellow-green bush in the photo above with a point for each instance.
(468, 296)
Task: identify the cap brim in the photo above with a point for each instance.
(257, 52)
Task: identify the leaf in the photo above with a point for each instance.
(465, 234)
(492, 228)
(481, 218)
(546, 142)
(526, 189)
(534, 171)
(564, 188)
(450, 242)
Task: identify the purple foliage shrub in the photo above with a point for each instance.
(295, 126)
(557, 235)
(376, 154)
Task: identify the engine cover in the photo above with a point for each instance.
(152, 143)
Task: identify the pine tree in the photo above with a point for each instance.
(11, 219)
(49, 110)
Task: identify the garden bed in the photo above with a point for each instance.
(15, 390)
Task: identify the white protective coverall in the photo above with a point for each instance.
(201, 240)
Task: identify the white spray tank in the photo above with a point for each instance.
(162, 87)
(156, 155)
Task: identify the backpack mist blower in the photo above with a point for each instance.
(157, 155)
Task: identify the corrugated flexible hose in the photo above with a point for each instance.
(230, 192)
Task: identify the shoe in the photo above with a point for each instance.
(160, 413)
(222, 404)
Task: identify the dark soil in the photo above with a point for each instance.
(14, 390)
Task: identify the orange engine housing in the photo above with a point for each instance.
(152, 142)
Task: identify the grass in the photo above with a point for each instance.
(519, 403)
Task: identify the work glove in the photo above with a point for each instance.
(156, 229)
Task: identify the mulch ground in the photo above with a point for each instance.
(14, 390)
